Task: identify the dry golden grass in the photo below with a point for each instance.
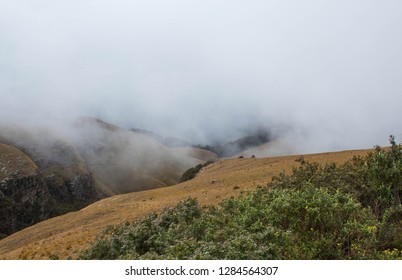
(67, 235)
(15, 163)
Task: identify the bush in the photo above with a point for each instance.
(319, 212)
(192, 172)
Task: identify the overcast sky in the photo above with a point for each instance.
(330, 72)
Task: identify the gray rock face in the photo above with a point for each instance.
(32, 190)
(24, 201)
(28, 200)
(79, 188)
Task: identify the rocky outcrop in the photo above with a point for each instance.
(24, 202)
(79, 189)
(30, 194)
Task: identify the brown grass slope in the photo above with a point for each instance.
(14, 162)
(126, 161)
(67, 235)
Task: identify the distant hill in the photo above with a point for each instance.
(45, 172)
(253, 139)
(172, 142)
(233, 148)
(126, 161)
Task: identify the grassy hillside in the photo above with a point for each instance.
(14, 162)
(351, 211)
(69, 234)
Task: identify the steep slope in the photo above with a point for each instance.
(126, 161)
(15, 162)
(46, 172)
(67, 235)
(35, 186)
(22, 193)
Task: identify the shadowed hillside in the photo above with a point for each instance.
(41, 177)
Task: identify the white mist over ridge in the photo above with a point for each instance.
(323, 75)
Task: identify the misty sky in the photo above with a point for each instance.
(325, 74)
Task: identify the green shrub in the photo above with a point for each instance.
(352, 211)
(193, 171)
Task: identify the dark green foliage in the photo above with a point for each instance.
(319, 212)
(54, 257)
(192, 172)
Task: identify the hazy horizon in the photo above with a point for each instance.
(323, 75)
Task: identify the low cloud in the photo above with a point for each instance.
(323, 75)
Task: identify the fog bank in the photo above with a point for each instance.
(322, 75)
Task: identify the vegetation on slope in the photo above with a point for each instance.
(193, 171)
(352, 211)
